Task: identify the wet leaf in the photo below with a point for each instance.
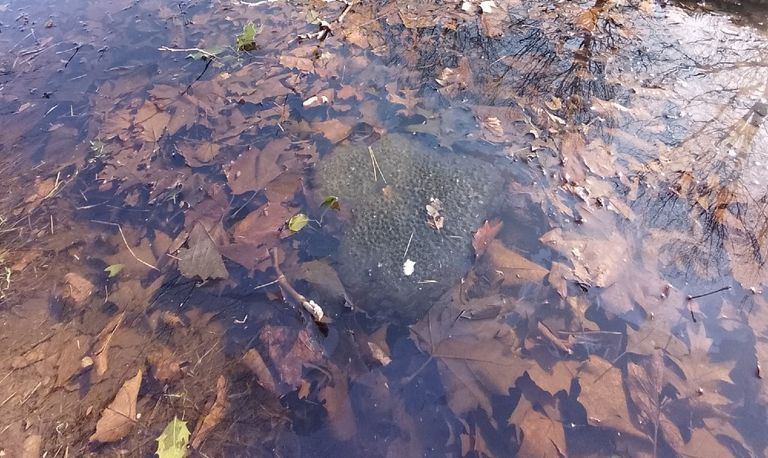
(246, 40)
(510, 268)
(202, 259)
(335, 397)
(477, 359)
(77, 288)
(114, 269)
(543, 434)
(298, 222)
(213, 416)
(100, 349)
(164, 365)
(253, 361)
(172, 442)
(331, 202)
(484, 235)
(119, 417)
(602, 395)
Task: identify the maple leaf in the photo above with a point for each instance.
(703, 378)
(476, 358)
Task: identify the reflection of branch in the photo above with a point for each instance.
(309, 305)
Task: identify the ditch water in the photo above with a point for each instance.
(531, 228)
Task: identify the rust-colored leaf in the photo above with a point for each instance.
(484, 235)
(119, 417)
(213, 416)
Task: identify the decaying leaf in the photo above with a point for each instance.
(119, 417)
(510, 268)
(100, 349)
(477, 358)
(335, 397)
(213, 416)
(602, 395)
(164, 366)
(202, 259)
(77, 288)
(331, 202)
(253, 361)
(434, 218)
(542, 434)
(172, 442)
(485, 235)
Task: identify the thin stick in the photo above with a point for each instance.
(409, 245)
(310, 306)
(724, 288)
(130, 250)
(376, 166)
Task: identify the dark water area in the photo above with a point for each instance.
(209, 245)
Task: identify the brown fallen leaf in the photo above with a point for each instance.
(119, 417)
(255, 168)
(335, 397)
(477, 359)
(542, 432)
(100, 349)
(485, 235)
(288, 352)
(511, 268)
(213, 416)
(164, 366)
(77, 288)
(253, 361)
(602, 395)
(202, 259)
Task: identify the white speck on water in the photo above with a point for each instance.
(408, 267)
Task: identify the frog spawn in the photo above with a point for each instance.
(388, 187)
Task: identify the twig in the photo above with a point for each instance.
(309, 305)
(724, 288)
(407, 247)
(130, 250)
(376, 166)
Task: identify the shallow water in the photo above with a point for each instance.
(615, 303)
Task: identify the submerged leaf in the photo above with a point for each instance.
(172, 443)
(297, 222)
(119, 416)
(331, 202)
(114, 269)
(246, 40)
(202, 258)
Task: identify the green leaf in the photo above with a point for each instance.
(246, 40)
(114, 269)
(331, 202)
(297, 222)
(172, 443)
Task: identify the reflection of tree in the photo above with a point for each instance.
(720, 176)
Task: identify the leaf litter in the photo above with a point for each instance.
(636, 210)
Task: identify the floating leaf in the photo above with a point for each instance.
(331, 202)
(114, 269)
(246, 40)
(297, 222)
(172, 443)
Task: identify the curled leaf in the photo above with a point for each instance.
(114, 269)
(331, 202)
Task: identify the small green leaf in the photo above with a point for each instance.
(331, 202)
(246, 40)
(114, 269)
(172, 443)
(297, 222)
